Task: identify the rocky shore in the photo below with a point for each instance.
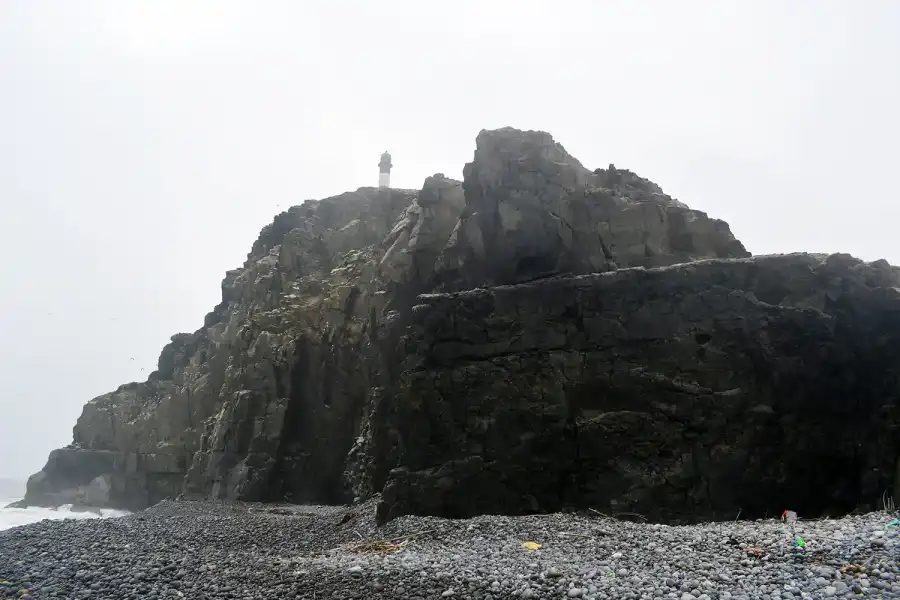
(253, 551)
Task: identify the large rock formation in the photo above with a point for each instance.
(535, 337)
(258, 402)
(689, 391)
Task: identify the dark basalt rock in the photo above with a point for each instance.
(536, 337)
(680, 393)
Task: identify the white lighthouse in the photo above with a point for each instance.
(384, 170)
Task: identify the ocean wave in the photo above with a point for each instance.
(14, 517)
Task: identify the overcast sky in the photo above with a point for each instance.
(144, 144)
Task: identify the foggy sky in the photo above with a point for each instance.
(144, 144)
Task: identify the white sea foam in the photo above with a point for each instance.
(13, 517)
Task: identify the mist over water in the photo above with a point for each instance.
(13, 517)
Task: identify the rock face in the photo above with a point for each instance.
(683, 392)
(534, 337)
(532, 210)
(258, 401)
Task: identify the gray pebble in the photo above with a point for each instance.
(219, 551)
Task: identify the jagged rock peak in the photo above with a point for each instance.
(532, 210)
(278, 394)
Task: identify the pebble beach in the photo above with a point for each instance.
(210, 551)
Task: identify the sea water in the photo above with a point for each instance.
(13, 517)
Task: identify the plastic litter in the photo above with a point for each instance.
(798, 542)
(855, 569)
(894, 523)
(788, 517)
(531, 545)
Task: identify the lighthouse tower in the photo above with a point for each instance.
(384, 171)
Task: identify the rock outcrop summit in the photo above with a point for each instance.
(536, 337)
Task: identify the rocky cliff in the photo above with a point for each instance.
(534, 337)
(689, 391)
